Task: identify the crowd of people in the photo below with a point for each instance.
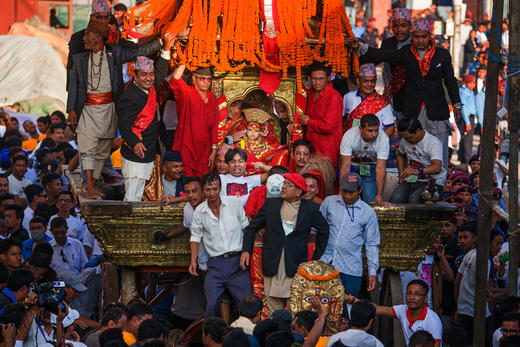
(302, 192)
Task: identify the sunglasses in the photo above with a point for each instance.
(203, 78)
(63, 257)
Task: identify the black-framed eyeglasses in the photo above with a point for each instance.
(65, 201)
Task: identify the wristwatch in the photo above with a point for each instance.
(420, 170)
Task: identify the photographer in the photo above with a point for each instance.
(17, 288)
(73, 288)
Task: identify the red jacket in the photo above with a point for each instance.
(324, 124)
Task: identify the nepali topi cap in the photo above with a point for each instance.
(421, 24)
(172, 156)
(203, 71)
(367, 70)
(100, 6)
(401, 13)
(143, 64)
(98, 26)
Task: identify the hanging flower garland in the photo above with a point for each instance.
(225, 33)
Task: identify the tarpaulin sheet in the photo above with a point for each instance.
(30, 68)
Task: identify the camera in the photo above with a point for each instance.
(50, 295)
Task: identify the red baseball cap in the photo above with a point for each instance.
(297, 179)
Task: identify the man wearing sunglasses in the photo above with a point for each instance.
(196, 134)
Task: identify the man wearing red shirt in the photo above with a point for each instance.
(323, 117)
(196, 134)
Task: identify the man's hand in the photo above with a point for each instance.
(318, 306)
(9, 334)
(237, 136)
(168, 40)
(378, 200)
(72, 120)
(457, 114)
(407, 172)
(304, 118)
(244, 260)
(372, 281)
(139, 150)
(211, 159)
(193, 269)
(441, 251)
(352, 43)
(468, 128)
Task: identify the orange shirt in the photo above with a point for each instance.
(30, 145)
(129, 338)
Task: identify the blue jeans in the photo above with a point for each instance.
(368, 183)
(352, 285)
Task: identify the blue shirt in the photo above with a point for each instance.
(480, 101)
(350, 229)
(467, 98)
(27, 247)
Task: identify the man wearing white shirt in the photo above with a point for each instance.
(415, 315)
(364, 150)
(69, 254)
(235, 183)
(219, 222)
(35, 194)
(419, 159)
(365, 100)
(76, 226)
(17, 181)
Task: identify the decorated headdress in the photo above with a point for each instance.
(367, 70)
(421, 24)
(256, 115)
(401, 13)
(99, 6)
(144, 64)
(316, 278)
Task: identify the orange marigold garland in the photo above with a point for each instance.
(318, 277)
(238, 42)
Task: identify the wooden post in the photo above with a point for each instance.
(486, 180)
(514, 112)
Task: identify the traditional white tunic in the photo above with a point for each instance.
(98, 123)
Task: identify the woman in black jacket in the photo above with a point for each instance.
(470, 52)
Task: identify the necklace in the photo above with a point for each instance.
(94, 73)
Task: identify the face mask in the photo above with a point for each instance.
(37, 235)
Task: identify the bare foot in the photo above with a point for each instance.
(92, 193)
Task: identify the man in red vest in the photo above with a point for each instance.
(138, 122)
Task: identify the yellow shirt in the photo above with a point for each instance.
(129, 338)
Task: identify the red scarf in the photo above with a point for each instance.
(146, 116)
(372, 104)
(424, 63)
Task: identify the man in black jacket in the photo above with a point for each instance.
(288, 222)
(428, 69)
(137, 110)
(95, 85)
(401, 25)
